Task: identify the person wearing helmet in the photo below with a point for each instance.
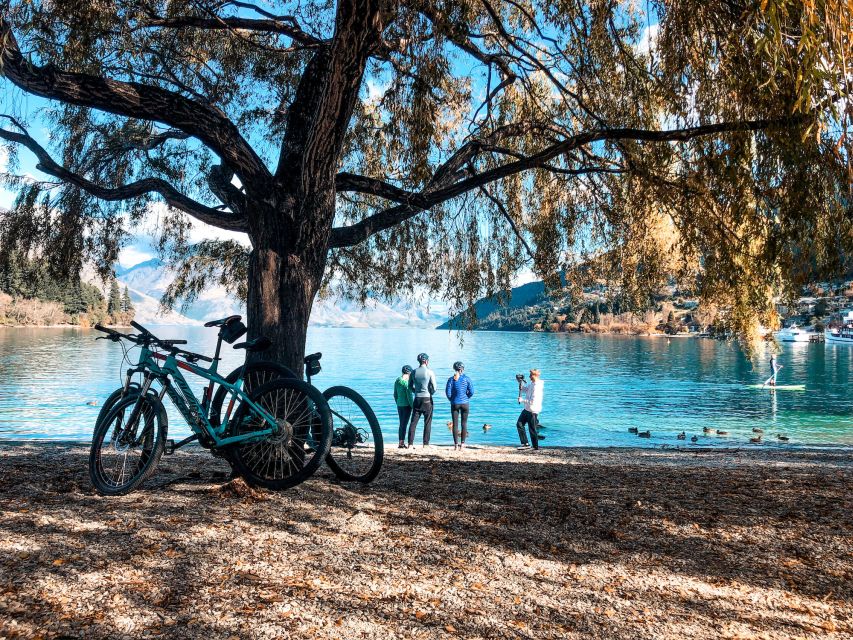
(459, 390)
(403, 398)
(422, 385)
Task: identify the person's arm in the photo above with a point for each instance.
(431, 386)
(448, 388)
(470, 390)
(412, 382)
(396, 390)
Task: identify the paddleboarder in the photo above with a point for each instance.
(774, 370)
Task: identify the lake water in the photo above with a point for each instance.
(596, 387)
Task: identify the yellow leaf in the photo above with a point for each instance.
(420, 615)
(450, 628)
(58, 562)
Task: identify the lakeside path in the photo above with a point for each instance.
(489, 543)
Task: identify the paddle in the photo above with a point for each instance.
(766, 382)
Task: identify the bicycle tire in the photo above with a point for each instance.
(114, 397)
(364, 473)
(153, 440)
(301, 411)
(257, 374)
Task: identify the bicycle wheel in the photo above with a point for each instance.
(300, 442)
(127, 445)
(357, 447)
(257, 375)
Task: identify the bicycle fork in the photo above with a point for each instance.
(128, 435)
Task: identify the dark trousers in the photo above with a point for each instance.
(405, 413)
(459, 412)
(422, 407)
(532, 422)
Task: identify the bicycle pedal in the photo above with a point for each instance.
(170, 447)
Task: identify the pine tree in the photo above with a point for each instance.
(126, 304)
(114, 304)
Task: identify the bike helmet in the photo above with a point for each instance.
(422, 357)
(458, 366)
(406, 369)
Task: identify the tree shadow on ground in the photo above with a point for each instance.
(592, 542)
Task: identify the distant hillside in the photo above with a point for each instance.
(530, 308)
(526, 306)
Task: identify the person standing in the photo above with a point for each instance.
(531, 395)
(422, 385)
(403, 398)
(459, 390)
(774, 370)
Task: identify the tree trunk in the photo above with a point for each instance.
(282, 287)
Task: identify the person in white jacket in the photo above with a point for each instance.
(530, 395)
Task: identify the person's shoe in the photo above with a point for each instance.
(523, 447)
(461, 446)
(401, 446)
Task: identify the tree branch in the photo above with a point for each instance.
(387, 218)
(170, 194)
(134, 100)
(284, 25)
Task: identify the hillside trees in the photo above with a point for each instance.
(383, 147)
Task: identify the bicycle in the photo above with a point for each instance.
(254, 374)
(277, 437)
(357, 448)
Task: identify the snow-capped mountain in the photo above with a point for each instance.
(147, 281)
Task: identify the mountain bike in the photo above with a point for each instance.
(254, 374)
(357, 449)
(277, 437)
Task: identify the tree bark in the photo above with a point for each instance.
(282, 287)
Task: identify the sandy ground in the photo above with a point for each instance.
(488, 543)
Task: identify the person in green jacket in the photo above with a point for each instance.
(404, 399)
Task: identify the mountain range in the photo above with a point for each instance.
(148, 280)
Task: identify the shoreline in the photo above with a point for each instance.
(770, 448)
(492, 543)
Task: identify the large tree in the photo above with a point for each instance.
(386, 147)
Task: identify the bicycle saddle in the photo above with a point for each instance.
(223, 321)
(258, 344)
(313, 357)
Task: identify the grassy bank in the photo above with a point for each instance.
(489, 543)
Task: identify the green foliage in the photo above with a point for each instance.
(126, 304)
(114, 303)
(21, 277)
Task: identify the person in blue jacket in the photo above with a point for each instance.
(459, 391)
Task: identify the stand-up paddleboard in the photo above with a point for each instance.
(778, 387)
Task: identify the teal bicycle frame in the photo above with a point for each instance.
(195, 413)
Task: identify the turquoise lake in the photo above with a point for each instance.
(596, 387)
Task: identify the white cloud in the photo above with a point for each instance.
(134, 254)
(648, 41)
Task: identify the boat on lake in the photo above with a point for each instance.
(797, 334)
(839, 335)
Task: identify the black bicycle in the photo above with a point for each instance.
(357, 449)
